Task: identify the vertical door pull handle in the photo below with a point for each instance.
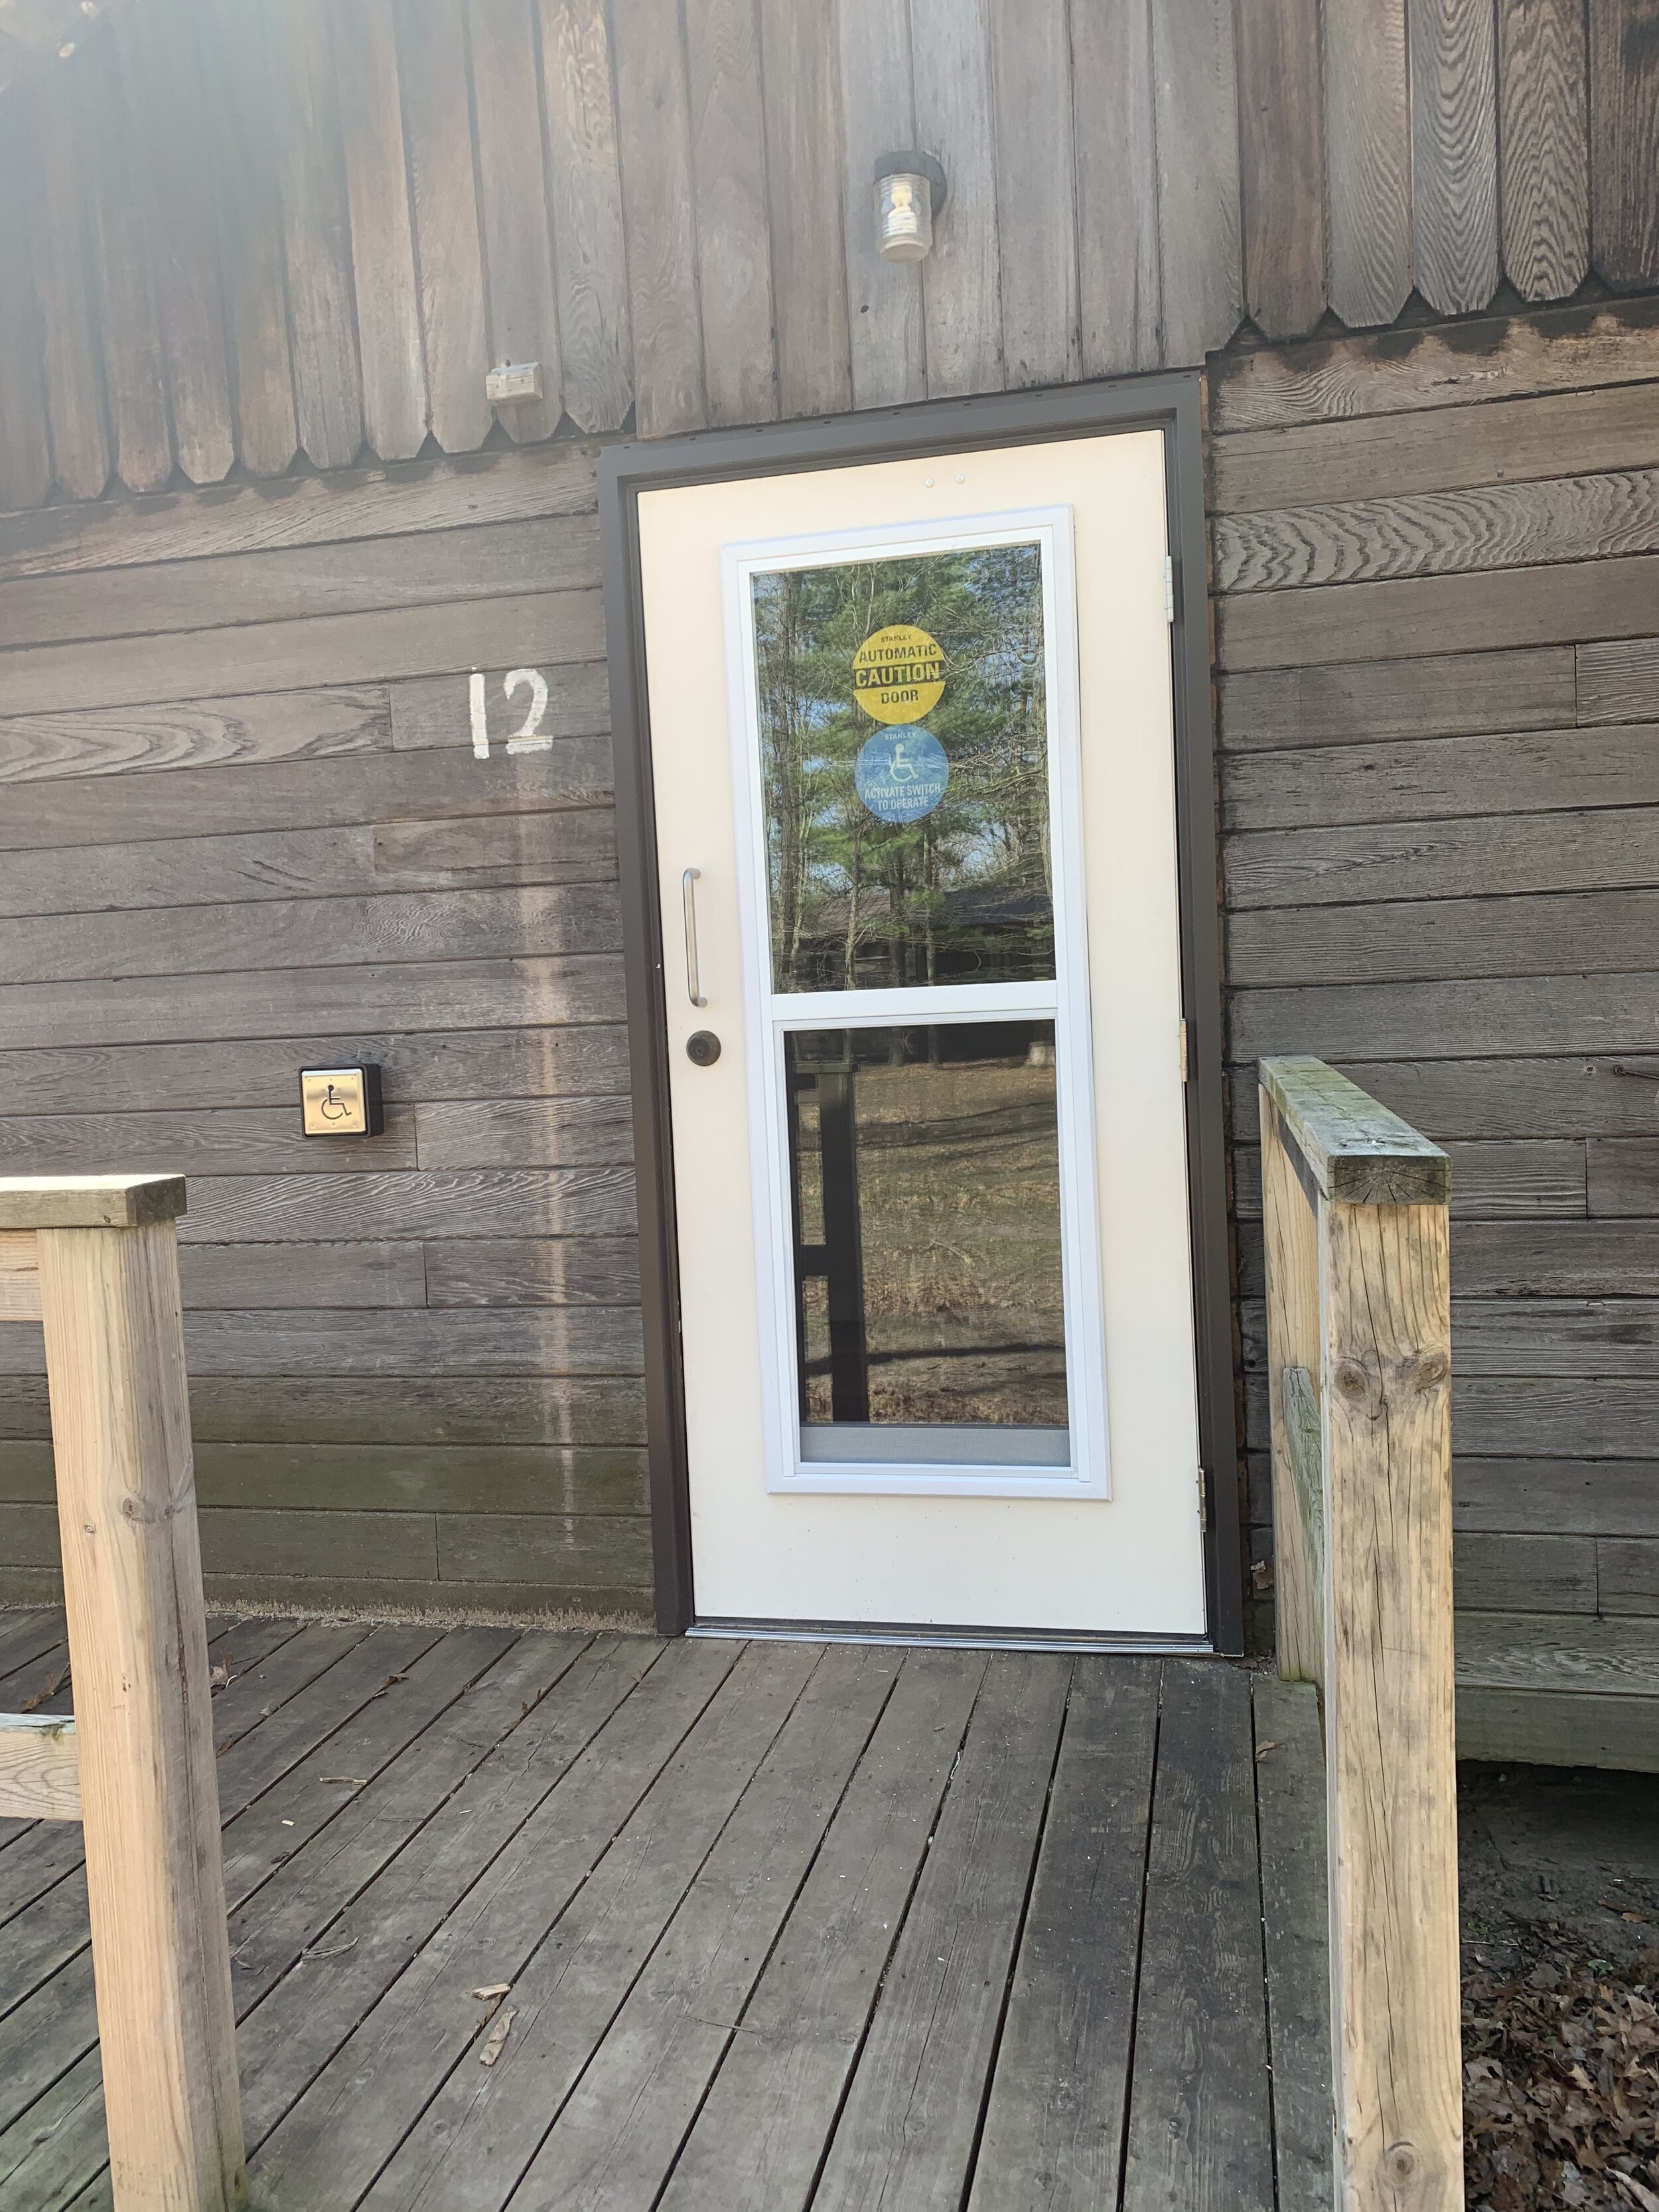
(693, 980)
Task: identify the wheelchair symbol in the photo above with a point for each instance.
(901, 775)
(333, 1107)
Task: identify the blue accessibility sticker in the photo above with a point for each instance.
(902, 774)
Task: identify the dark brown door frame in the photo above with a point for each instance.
(1170, 403)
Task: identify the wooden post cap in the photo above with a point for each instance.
(130, 1201)
(1358, 1152)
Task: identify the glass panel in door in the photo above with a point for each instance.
(932, 1188)
(929, 1297)
(904, 751)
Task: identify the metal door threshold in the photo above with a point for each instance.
(949, 1640)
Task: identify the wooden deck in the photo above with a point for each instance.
(783, 1925)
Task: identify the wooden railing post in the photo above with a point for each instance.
(107, 1268)
(1359, 1359)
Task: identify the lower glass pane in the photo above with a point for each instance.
(929, 1308)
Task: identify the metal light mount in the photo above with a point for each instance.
(910, 191)
(513, 381)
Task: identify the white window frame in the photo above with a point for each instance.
(1064, 1000)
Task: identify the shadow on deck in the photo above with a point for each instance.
(782, 1925)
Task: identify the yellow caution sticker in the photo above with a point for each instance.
(898, 674)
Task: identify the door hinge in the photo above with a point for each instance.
(1183, 1047)
(1169, 587)
(1203, 1504)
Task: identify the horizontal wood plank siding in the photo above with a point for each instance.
(547, 627)
(1386, 621)
(1438, 703)
(1509, 526)
(252, 836)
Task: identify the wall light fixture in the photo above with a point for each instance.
(910, 193)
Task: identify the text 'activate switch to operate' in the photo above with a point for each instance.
(341, 1102)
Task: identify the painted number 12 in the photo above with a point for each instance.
(527, 738)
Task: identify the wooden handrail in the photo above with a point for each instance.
(95, 1259)
(1354, 1203)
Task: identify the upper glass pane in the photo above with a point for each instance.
(904, 752)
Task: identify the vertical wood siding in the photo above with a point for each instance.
(1119, 279)
(124, 285)
(961, 278)
(1452, 49)
(25, 446)
(1437, 571)
(878, 114)
(1282, 145)
(803, 171)
(1623, 90)
(243, 831)
(518, 237)
(590, 260)
(316, 235)
(298, 229)
(1368, 186)
(448, 234)
(728, 170)
(654, 138)
(1195, 73)
(1544, 140)
(390, 345)
(236, 71)
(168, 119)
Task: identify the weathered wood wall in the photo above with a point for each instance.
(1437, 559)
(270, 232)
(243, 830)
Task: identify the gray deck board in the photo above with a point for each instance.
(25, 1638)
(1054, 2127)
(1289, 1787)
(328, 2150)
(51, 1849)
(789, 1928)
(275, 1765)
(58, 1930)
(573, 1971)
(618, 2132)
(907, 2131)
(313, 1803)
(759, 2139)
(320, 1944)
(1199, 2134)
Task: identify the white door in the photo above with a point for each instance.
(914, 771)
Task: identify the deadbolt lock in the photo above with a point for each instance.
(703, 1048)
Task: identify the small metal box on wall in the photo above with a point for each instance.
(341, 1102)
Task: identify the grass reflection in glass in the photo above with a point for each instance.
(926, 1180)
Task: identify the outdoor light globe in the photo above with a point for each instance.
(910, 193)
(904, 217)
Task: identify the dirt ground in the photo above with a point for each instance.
(1560, 1913)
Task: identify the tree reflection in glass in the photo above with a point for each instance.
(907, 825)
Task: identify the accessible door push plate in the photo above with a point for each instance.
(341, 1102)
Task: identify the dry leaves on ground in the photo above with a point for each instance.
(1561, 2086)
(497, 2036)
